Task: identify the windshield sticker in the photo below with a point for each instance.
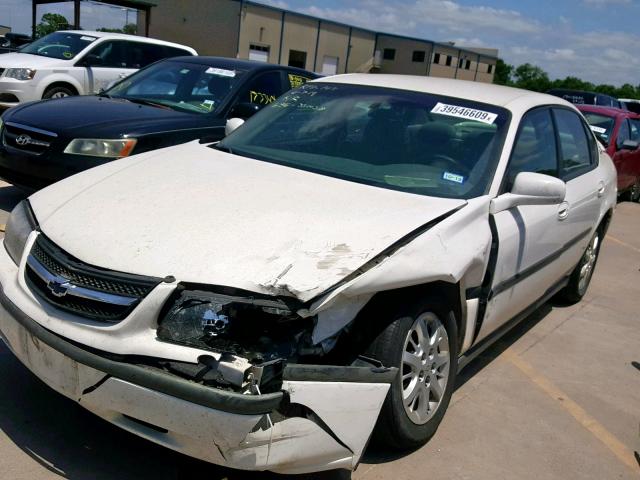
(296, 80)
(184, 71)
(87, 39)
(598, 129)
(67, 55)
(220, 72)
(452, 177)
(262, 98)
(208, 105)
(464, 112)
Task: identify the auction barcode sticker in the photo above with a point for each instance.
(597, 129)
(464, 112)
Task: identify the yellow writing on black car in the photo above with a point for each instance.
(262, 98)
(296, 80)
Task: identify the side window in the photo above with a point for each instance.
(143, 54)
(264, 89)
(112, 54)
(574, 146)
(535, 148)
(624, 134)
(176, 52)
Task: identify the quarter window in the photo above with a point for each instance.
(574, 147)
(535, 147)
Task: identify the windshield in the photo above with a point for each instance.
(60, 45)
(601, 125)
(184, 86)
(401, 140)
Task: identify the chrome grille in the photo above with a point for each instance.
(71, 285)
(29, 139)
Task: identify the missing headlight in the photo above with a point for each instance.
(258, 329)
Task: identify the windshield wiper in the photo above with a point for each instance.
(144, 101)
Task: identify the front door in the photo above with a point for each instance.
(109, 64)
(540, 244)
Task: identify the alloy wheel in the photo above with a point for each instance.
(589, 262)
(425, 367)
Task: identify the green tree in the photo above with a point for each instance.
(129, 28)
(503, 73)
(531, 77)
(627, 91)
(51, 22)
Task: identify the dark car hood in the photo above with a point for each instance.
(100, 116)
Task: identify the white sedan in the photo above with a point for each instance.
(317, 278)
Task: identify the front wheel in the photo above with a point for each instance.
(58, 92)
(422, 344)
(581, 276)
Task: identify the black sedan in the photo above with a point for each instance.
(170, 102)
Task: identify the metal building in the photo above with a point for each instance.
(249, 30)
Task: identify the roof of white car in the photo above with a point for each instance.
(474, 91)
(127, 37)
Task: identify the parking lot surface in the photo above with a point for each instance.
(557, 398)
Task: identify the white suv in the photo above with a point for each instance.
(77, 63)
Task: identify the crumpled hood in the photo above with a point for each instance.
(209, 217)
(25, 60)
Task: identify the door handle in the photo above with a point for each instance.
(601, 189)
(563, 211)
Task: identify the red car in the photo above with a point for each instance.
(619, 131)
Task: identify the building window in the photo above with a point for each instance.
(418, 55)
(468, 65)
(489, 68)
(389, 54)
(461, 63)
(297, 59)
(259, 53)
(436, 59)
(449, 60)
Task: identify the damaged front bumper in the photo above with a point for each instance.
(321, 419)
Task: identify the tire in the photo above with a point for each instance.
(405, 424)
(58, 92)
(581, 276)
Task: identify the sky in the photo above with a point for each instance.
(596, 40)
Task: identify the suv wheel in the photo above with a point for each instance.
(58, 92)
(422, 344)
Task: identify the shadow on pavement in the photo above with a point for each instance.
(73, 443)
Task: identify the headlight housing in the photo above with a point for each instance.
(20, 224)
(257, 329)
(20, 73)
(96, 147)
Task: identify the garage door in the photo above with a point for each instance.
(261, 55)
(329, 65)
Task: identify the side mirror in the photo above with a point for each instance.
(243, 110)
(630, 145)
(90, 60)
(531, 189)
(232, 125)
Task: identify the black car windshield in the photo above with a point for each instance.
(62, 45)
(184, 86)
(402, 140)
(602, 125)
